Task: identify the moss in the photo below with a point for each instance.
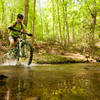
(55, 59)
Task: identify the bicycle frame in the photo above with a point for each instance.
(19, 46)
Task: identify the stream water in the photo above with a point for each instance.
(50, 82)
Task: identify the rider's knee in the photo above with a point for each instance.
(12, 42)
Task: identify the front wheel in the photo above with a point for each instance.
(26, 53)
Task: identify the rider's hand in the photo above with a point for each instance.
(22, 32)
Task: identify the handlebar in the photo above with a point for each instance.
(26, 34)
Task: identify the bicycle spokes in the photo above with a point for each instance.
(25, 53)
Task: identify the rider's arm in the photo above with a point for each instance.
(11, 25)
(11, 28)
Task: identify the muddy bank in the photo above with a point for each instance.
(59, 59)
(45, 53)
(54, 59)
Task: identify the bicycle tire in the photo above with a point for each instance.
(30, 50)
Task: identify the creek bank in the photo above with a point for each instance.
(48, 53)
(59, 59)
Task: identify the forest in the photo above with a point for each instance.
(60, 28)
(65, 54)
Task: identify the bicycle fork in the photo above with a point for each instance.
(22, 50)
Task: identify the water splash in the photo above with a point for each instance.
(10, 62)
(13, 62)
(26, 65)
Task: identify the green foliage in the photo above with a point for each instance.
(74, 17)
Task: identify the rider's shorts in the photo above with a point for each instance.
(12, 37)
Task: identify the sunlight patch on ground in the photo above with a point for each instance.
(97, 44)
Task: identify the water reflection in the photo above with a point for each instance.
(50, 85)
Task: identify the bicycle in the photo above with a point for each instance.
(22, 50)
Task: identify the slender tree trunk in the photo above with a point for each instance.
(3, 12)
(59, 21)
(53, 14)
(26, 12)
(41, 20)
(64, 25)
(33, 29)
(73, 34)
(67, 27)
(47, 29)
(12, 15)
(26, 15)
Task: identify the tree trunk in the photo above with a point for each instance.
(47, 29)
(59, 21)
(92, 29)
(53, 14)
(26, 15)
(41, 20)
(26, 12)
(12, 14)
(67, 27)
(73, 34)
(33, 30)
(12, 17)
(3, 12)
(64, 25)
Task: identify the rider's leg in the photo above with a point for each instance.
(12, 42)
(16, 40)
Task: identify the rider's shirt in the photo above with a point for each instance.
(17, 27)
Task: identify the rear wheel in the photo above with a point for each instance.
(26, 53)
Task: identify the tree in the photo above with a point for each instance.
(33, 29)
(26, 12)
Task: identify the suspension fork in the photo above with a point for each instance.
(22, 51)
(20, 43)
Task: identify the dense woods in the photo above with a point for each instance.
(63, 31)
(70, 23)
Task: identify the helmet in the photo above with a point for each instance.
(20, 16)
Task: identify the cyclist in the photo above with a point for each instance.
(17, 25)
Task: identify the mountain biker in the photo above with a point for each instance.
(17, 25)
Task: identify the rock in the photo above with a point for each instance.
(34, 98)
(97, 44)
(3, 77)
